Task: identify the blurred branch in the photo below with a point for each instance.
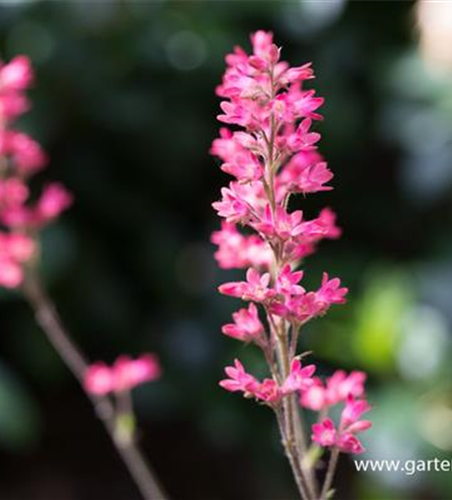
(129, 451)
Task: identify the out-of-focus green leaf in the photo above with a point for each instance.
(19, 415)
(379, 314)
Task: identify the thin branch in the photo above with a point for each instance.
(291, 456)
(330, 474)
(48, 319)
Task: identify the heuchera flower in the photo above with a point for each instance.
(338, 387)
(20, 158)
(247, 325)
(124, 375)
(268, 390)
(236, 250)
(344, 438)
(271, 154)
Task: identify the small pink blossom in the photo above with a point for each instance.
(299, 378)
(27, 153)
(255, 288)
(324, 433)
(54, 200)
(344, 438)
(246, 327)
(329, 293)
(236, 250)
(128, 373)
(15, 250)
(337, 388)
(12, 105)
(280, 224)
(99, 379)
(239, 380)
(16, 75)
(124, 375)
(268, 390)
(238, 201)
(287, 282)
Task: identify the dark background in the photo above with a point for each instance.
(124, 103)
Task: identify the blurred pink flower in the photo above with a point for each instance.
(124, 375)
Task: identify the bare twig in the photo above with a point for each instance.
(129, 451)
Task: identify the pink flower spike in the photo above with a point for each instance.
(246, 327)
(99, 379)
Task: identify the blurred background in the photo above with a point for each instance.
(124, 104)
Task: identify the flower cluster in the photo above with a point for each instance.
(344, 437)
(20, 158)
(123, 375)
(268, 391)
(271, 153)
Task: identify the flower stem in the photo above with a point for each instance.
(290, 451)
(48, 319)
(330, 474)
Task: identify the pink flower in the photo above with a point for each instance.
(246, 327)
(22, 157)
(54, 200)
(306, 173)
(99, 379)
(16, 75)
(238, 202)
(15, 250)
(245, 166)
(353, 411)
(281, 224)
(324, 433)
(27, 153)
(255, 287)
(13, 192)
(268, 390)
(128, 373)
(236, 250)
(287, 282)
(302, 139)
(299, 379)
(12, 105)
(11, 273)
(330, 293)
(337, 388)
(239, 380)
(124, 375)
(344, 438)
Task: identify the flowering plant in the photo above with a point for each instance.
(272, 155)
(21, 222)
